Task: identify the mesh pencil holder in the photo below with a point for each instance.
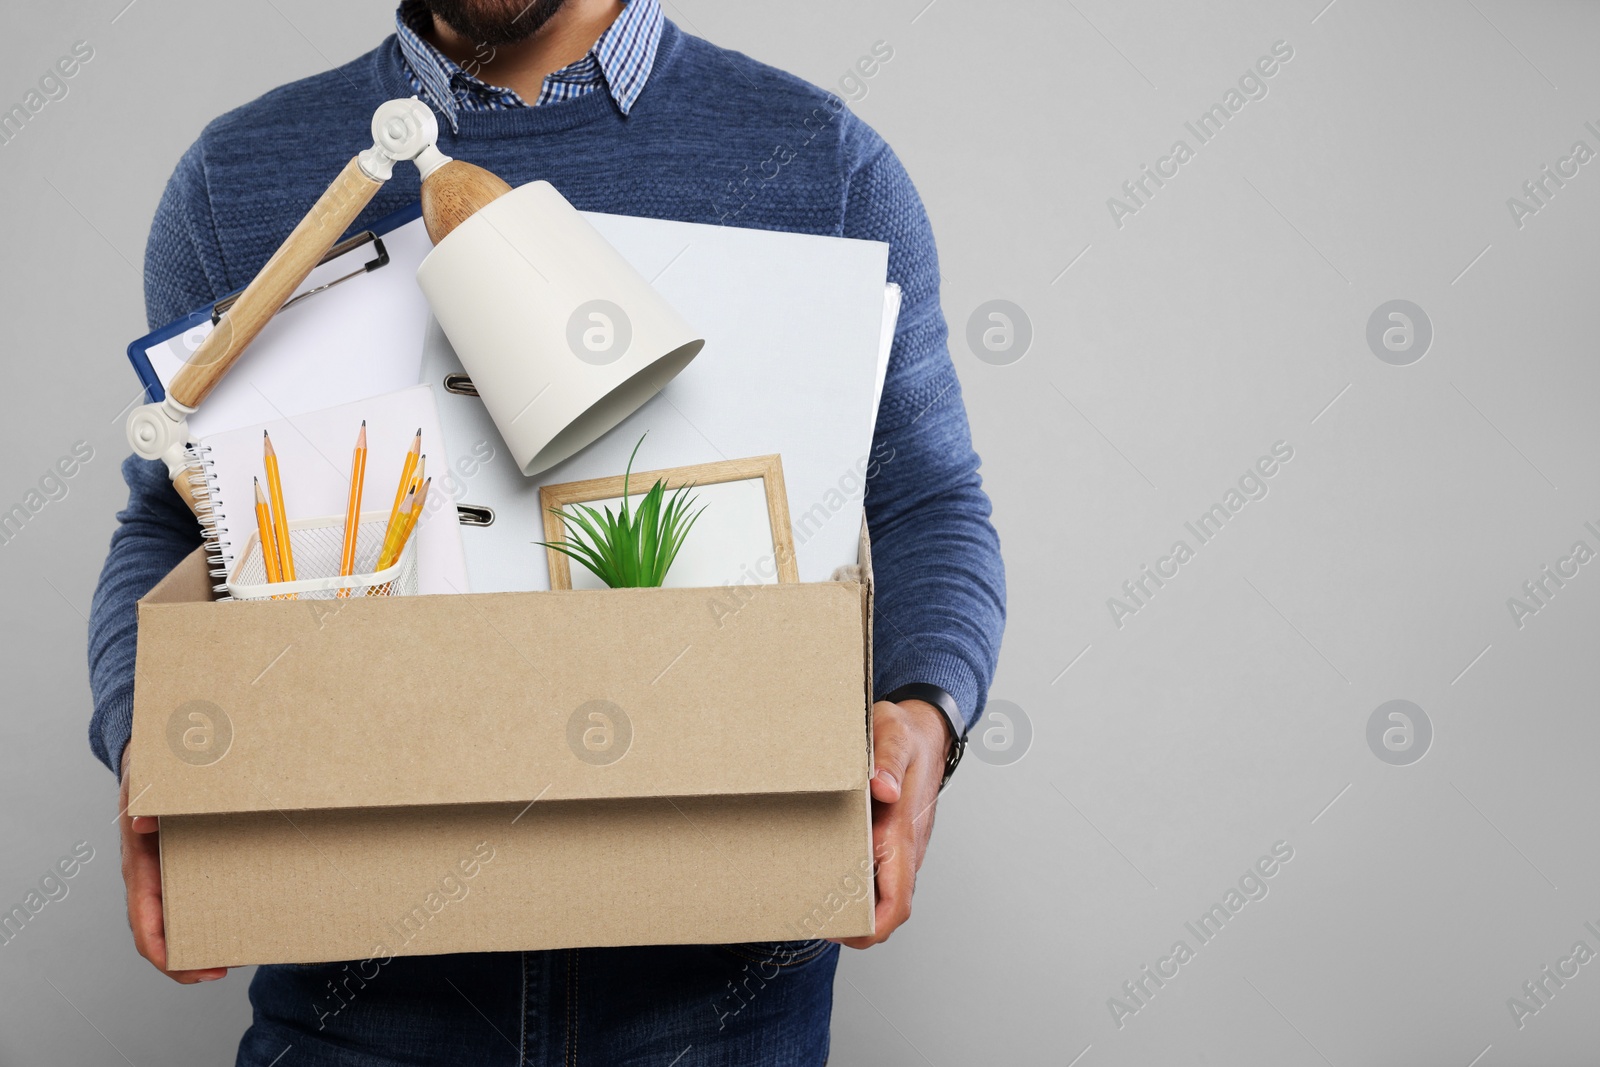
(318, 546)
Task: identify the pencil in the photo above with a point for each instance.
(416, 509)
(410, 522)
(418, 475)
(352, 514)
(280, 516)
(394, 532)
(405, 480)
(269, 541)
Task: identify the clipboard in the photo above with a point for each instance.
(360, 255)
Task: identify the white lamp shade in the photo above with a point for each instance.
(562, 337)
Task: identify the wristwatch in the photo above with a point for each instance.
(954, 724)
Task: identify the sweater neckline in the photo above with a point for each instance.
(521, 121)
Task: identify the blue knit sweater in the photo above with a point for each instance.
(715, 137)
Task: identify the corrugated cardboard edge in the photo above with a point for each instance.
(864, 560)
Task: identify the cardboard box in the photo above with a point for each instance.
(375, 777)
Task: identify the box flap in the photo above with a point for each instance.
(481, 698)
(189, 582)
(350, 885)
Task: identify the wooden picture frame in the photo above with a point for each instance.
(769, 469)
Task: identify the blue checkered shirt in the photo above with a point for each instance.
(621, 60)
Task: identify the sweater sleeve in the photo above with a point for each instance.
(155, 530)
(940, 582)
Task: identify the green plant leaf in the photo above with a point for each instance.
(635, 546)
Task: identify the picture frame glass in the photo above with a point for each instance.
(731, 541)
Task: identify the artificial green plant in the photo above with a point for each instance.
(629, 549)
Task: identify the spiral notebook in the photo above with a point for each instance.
(314, 452)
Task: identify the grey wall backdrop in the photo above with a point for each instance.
(1158, 340)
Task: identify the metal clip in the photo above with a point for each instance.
(349, 244)
(459, 384)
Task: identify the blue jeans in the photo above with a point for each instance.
(765, 1004)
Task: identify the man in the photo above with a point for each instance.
(624, 113)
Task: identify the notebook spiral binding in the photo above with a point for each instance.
(207, 492)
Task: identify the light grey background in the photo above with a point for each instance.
(1168, 354)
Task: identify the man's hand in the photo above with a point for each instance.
(141, 872)
(909, 744)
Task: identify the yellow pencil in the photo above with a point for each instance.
(411, 520)
(352, 514)
(416, 509)
(269, 541)
(408, 501)
(280, 516)
(394, 532)
(405, 480)
(418, 475)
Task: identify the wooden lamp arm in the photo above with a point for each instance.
(274, 284)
